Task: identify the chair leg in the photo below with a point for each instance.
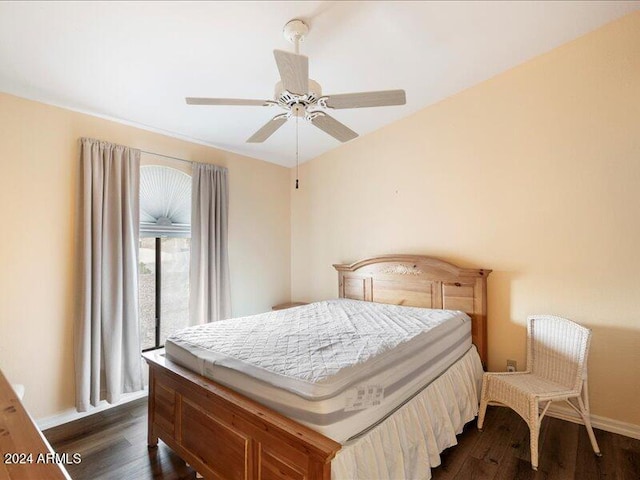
(586, 418)
(481, 413)
(483, 405)
(534, 433)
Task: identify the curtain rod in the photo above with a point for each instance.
(167, 156)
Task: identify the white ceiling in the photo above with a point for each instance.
(136, 61)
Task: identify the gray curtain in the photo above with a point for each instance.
(210, 298)
(107, 344)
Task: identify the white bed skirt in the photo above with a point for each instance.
(408, 444)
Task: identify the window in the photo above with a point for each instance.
(165, 211)
(164, 288)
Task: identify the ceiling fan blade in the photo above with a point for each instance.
(268, 129)
(334, 128)
(294, 71)
(367, 99)
(225, 101)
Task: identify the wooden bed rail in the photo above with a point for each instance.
(225, 435)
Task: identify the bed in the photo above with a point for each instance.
(224, 434)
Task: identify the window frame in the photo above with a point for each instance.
(158, 295)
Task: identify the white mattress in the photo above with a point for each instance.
(338, 366)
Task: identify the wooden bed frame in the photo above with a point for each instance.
(225, 435)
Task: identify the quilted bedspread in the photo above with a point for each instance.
(322, 342)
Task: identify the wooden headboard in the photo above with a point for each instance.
(419, 281)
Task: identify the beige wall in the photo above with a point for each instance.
(534, 174)
(38, 191)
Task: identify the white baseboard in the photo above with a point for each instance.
(562, 412)
(72, 414)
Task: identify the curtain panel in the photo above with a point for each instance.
(210, 297)
(107, 343)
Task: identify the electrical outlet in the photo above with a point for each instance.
(512, 366)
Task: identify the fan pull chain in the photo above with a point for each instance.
(296, 152)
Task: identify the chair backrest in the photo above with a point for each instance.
(557, 350)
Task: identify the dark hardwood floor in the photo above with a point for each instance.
(501, 452)
(113, 446)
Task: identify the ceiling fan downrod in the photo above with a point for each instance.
(294, 31)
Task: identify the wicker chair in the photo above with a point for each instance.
(557, 351)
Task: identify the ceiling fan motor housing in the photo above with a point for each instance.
(298, 104)
(314, 90)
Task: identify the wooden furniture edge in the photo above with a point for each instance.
(20, 436)
(269, 440)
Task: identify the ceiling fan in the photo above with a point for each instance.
(299, 96)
